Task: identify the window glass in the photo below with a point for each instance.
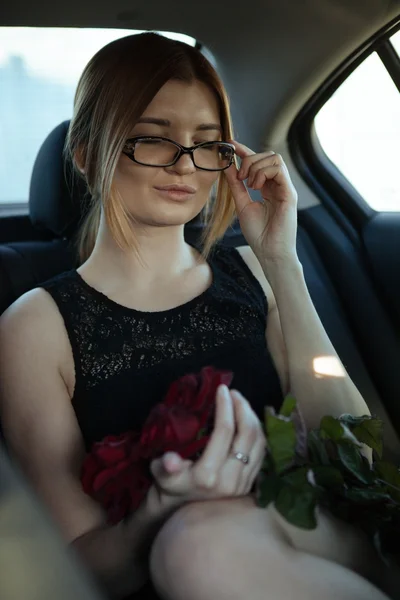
(359, 130)
(395, 39)
(39, 71)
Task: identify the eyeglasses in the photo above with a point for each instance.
(152, 151)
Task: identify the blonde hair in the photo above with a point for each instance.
(115, 88)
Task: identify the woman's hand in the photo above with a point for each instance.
(270, 226)
(217, 473)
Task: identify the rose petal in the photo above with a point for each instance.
(108, 474)
(181, 391)
(191, 449)
(218, 378)
(185, 426)
(110, 455)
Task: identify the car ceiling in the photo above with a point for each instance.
(272, 54)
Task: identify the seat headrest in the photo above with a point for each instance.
(56, 198)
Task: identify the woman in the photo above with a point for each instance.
(89, 353)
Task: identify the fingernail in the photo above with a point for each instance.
(224, 390)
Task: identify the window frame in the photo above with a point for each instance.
(332, 187)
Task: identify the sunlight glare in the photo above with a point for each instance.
(328, 366)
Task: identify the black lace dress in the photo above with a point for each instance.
(125, 360)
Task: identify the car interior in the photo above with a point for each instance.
(283, 63)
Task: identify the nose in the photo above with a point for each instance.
(183, 166)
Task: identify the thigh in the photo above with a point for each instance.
(233, 550)
(336, 541)
(332, 540)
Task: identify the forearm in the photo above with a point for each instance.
(118, 555)
(317, 377)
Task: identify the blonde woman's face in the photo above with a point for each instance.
(187, 114)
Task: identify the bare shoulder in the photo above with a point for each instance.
(252, 262)
(36, 302)
(34, 312)
(32, 327)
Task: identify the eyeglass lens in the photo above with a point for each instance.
(162, 153)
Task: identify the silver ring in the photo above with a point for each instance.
(244, 458)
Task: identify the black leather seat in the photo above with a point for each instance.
(56, 207)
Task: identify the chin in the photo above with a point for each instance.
(167, 216)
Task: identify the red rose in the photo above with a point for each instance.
(176, 423)
(121, 489)
(197, 392)
(116, 472)
(114, 475)
(167, 428)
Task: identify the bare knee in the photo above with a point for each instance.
(204, 539)
(178, 552)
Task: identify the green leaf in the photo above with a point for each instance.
(317, 448)
(296, 478)
(268, 412)
(297, 505)
(370, 432)
(367, 496)
(288, 406)
(390, 474)
(351, 421)
(351, 458)
(331, 428)
(268, 489)
(281, 437)
(327, 476)
(268, 464)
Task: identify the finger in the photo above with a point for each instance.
(241, 150)
(168, 464)
(248, 157)
(272, 173)
(272, 161)
(234, 475)
(175, 483)
(239, 192)
(206, 469)
(172, 462)
(250, 163)
(248, 424)
(257, 455)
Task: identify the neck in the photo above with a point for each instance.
(162, 253)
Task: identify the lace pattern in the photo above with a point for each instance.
(108, 338)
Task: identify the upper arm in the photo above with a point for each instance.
(273, 333)
(38, 419)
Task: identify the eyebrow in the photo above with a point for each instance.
(166, 123)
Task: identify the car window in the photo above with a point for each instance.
(39, 71)
(359, 130)
(395, 39)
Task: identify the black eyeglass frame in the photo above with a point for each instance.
(182, 150)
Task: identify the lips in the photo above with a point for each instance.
(187, 189)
